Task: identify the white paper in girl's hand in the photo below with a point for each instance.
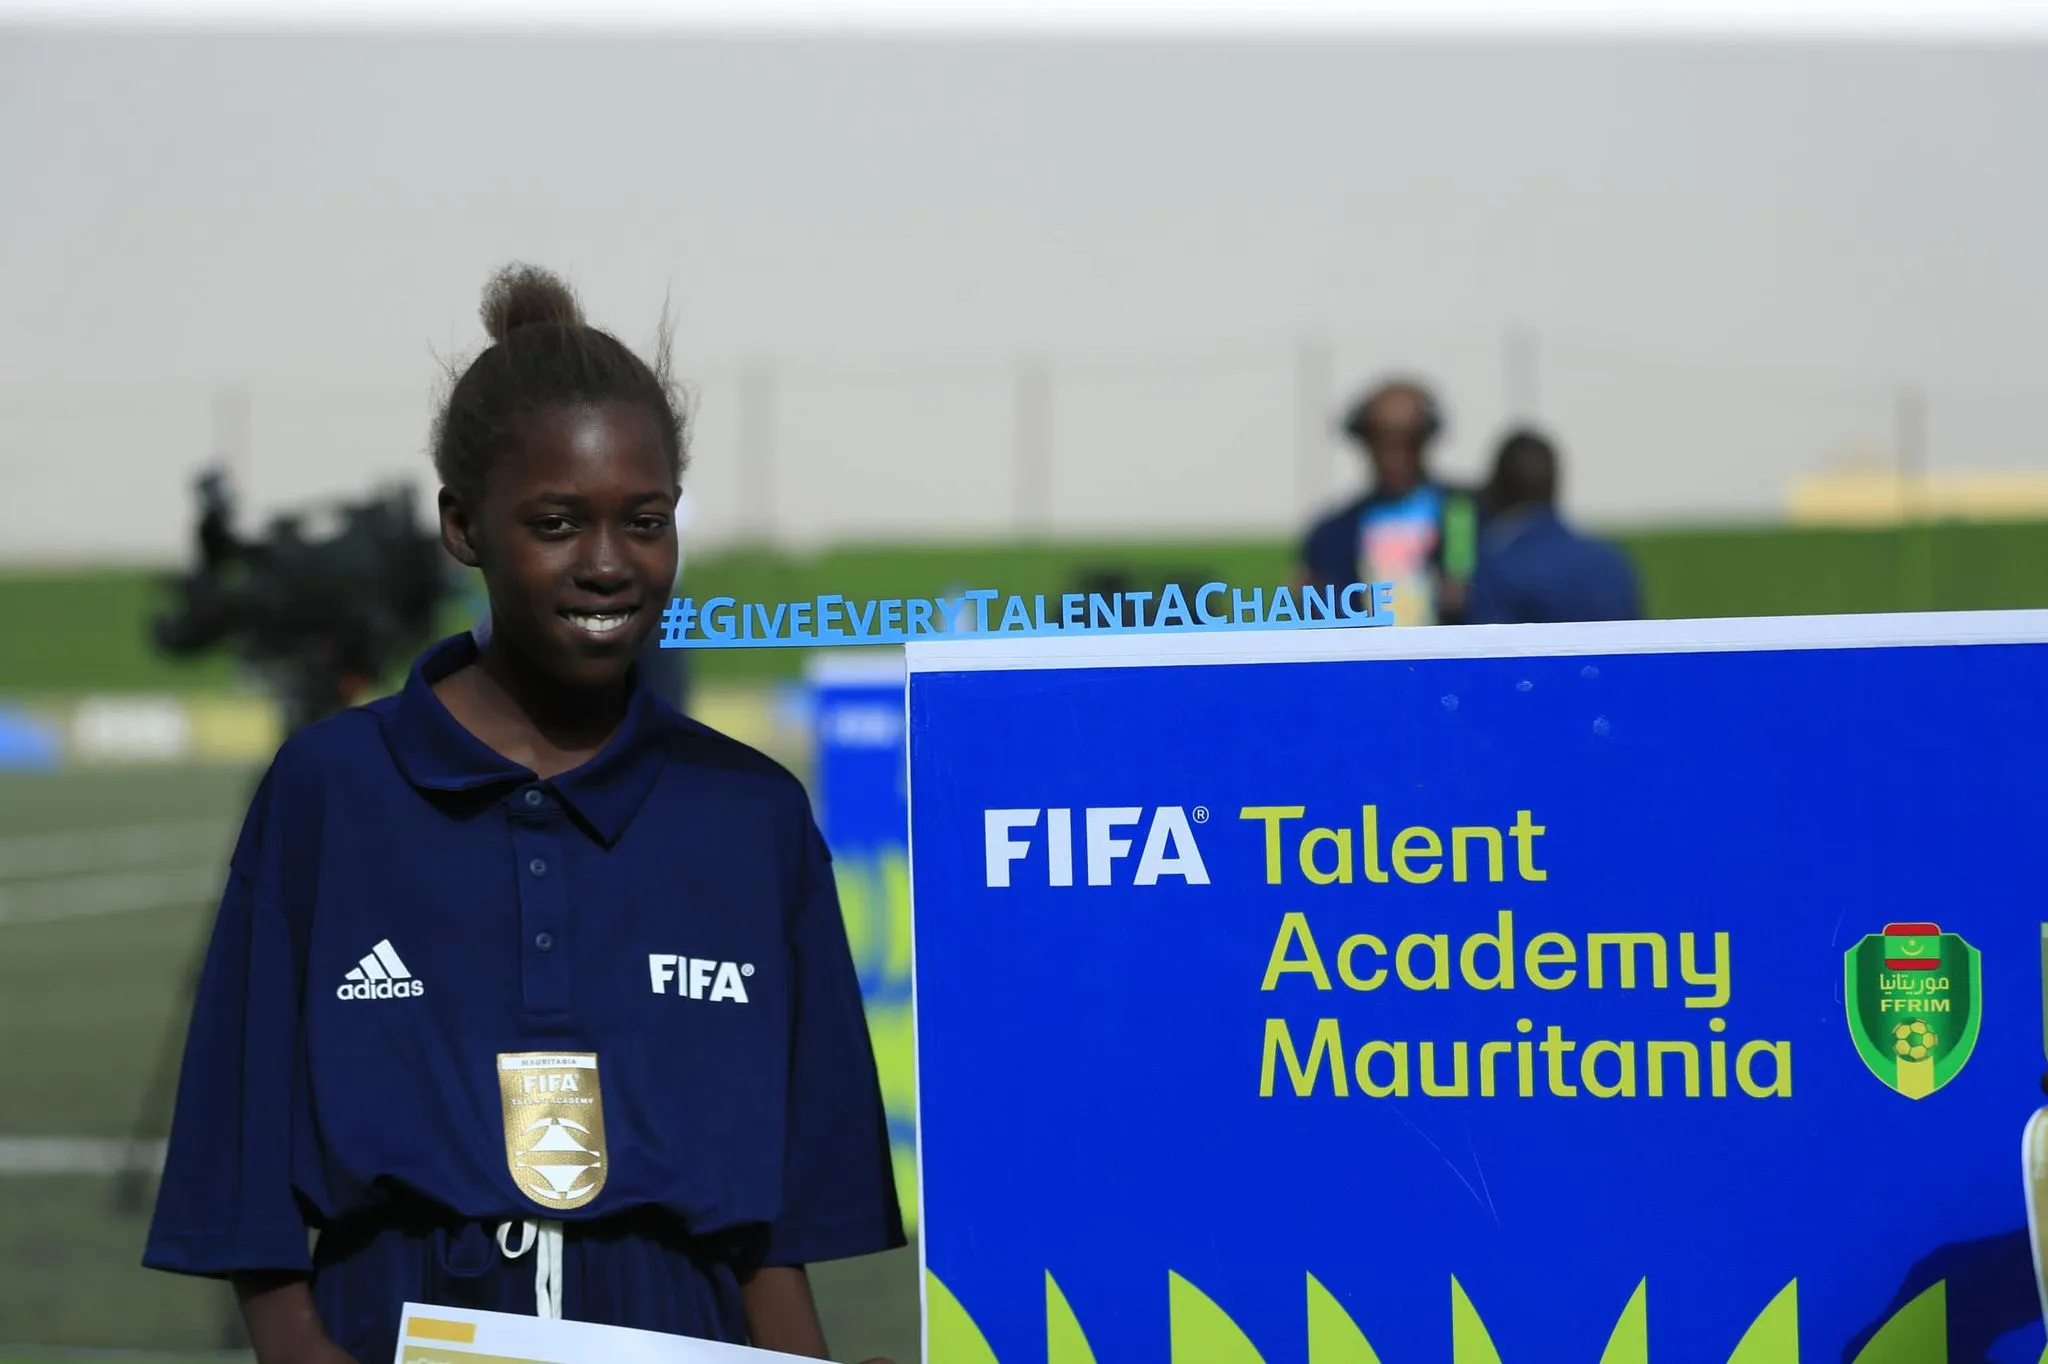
(2034, 1167)
(453, 1335)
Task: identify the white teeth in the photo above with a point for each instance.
(598, 624)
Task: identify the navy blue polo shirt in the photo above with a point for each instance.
(442, 994)
(1534, 568)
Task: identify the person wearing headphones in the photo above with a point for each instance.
(1409, 528)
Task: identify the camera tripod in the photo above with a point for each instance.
(306, 693)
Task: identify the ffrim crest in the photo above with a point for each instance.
(1914, 1000)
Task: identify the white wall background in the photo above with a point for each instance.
(1728, 255)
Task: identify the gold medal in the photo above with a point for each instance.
(553, 1108)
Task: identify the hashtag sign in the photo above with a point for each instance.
(676, 620)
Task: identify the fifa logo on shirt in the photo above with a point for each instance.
(697, 978)
(381, 975)
(1169, 850)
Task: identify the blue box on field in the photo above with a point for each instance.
(858, 753)
(1458, 996)
(858, 783)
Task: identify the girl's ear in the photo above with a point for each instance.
(458, 530)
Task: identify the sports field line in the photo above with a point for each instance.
(29, 1157)
(118, 892)
(56, 1354)
(127, 846)
(52, 1354)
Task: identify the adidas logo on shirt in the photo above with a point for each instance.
(380, 976)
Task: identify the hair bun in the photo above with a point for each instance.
(527, 296)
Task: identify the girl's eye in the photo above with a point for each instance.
(552, 525)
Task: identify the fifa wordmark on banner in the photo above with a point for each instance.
(727, 623)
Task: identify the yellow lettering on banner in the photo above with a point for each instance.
(1396, 1086)
(1503, 945)
(1554, 1047)
(1426, 850)
(1344, 954)
(1525, 835)
(1370, 824)
(1458, 1088)
(1624, 1083)
(1687, 1053)
(1489, 1052)
(1415, 854)
(1294, 928)
(1625, 945)
(1439, 946)
(1462, 836)
(1546, 949)
(1341, 873)
(1605, 1068)
(1417, 851)
(1715, 975)
(1781, 1069)
(1327, 1045)
(1273, 815)
(1489, 957)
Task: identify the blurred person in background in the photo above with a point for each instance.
(1533, 566)
(1409, 528)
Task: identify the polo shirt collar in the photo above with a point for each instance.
(433, 751)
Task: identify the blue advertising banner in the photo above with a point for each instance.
(858, 784)
(1648, 993)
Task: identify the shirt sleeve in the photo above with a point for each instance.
(839, 1182)
(226, 1202)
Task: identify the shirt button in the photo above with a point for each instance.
(537, 867)
(533, 797)
(544, 941)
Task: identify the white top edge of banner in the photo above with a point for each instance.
(1484, 18)
(855, 667)
(1733, 635)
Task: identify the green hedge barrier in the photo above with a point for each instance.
(89, 630)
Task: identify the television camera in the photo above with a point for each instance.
(319, 607)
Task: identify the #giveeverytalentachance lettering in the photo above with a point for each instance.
(727, 623)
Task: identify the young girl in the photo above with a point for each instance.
(527, 993)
